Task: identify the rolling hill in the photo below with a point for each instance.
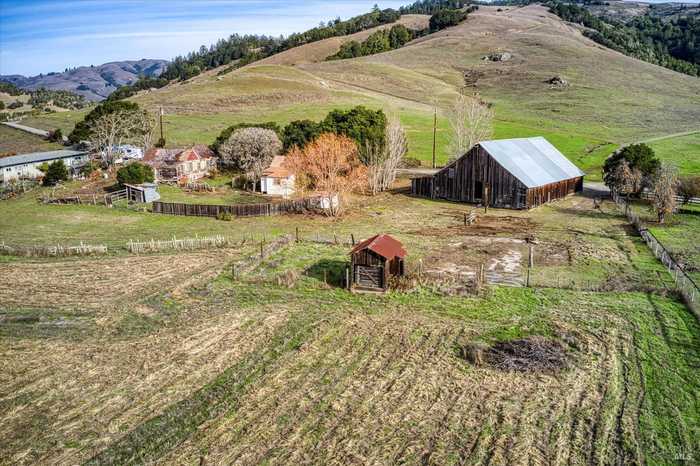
(611, 99)
(93, 82)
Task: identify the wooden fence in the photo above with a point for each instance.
(647, 196)
(57, 250)
(238, 210)
(687, 287)
(187, 244)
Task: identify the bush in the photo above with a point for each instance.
(15, 104)
(411, 162)
(135, 173)
(55, 173)
(55, 135)
(2, 105)
(224, 216)
(689, 187)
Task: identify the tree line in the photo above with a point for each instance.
(672, 44)
(399, 35)
(42, 97)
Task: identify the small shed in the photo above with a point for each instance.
(374, 261)
(143, 193)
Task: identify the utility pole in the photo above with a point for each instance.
(434, 135)
(162, 136)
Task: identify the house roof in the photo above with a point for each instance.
(534, 161)
(277, 168)
(35, 157)
(159, 157)
(384, 245)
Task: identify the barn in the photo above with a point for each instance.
(374, 261)
(507, 173)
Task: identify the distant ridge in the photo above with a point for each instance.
(94, 82)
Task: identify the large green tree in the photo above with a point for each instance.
(637, 156)
(299, 133)
(361, 124)
(446, 18)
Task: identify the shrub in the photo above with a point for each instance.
(689, 187)
(55, 135)
(15, 104)
(364, 126)
(135, 173)
(2, 105)
(224, 216)
(411, 162)
(55, 173)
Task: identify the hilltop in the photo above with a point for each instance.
(93, 82)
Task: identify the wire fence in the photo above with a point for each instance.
(686, 286)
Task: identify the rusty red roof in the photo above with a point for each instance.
(384, 245)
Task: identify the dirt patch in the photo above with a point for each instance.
(520, 227)
(533, 354)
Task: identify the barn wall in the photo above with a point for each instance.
(543, 194)
(464, 181)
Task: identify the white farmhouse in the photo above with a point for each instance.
(26, 166)
(277, 180)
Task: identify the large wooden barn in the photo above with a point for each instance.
(507, 173)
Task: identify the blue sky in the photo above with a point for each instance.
(40, 36)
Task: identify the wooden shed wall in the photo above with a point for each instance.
(543, 194)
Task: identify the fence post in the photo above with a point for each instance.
(347, 277)
(297, 234)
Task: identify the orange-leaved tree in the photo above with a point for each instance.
(330, 165)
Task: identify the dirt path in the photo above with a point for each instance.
(30, 130)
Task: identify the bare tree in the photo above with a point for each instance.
(147, 126)
(471, 120)
(330, 165)
(251, 150)
(112, 129)
(382, 163)
(664, 190)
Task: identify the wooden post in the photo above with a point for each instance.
(434, 135)
(262, 254)
(347, 277)
(352, 238)
(482, 274)
(486, 198)
(297, 234)
(465, 219)
(233, 271)
(325, 276)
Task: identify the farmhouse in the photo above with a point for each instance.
(277, 180)
(181, 165)
(26, 166)
(507, 173)
(374, 261)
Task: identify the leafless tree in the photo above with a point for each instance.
(382, 163)
(115, 128)
(251, 150)
(471, 120)
(665, 190)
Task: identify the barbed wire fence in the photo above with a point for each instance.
(686, 285)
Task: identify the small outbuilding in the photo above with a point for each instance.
(507, 173)
(143, 193)
(374, 261)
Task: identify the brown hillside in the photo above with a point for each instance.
(319, 51)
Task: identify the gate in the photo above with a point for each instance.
(370, 277)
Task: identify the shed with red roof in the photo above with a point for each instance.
(374, 261)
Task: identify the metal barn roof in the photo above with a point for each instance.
(384, 245)
(38, 157)
(534, 161)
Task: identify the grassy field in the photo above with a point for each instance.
(168, 358)
(13, 141)
(682, 151)
(680, 235)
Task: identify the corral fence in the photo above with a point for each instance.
(241, 210)
(647, 196)
(52, 250)
(183, 244)
(686, 285)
